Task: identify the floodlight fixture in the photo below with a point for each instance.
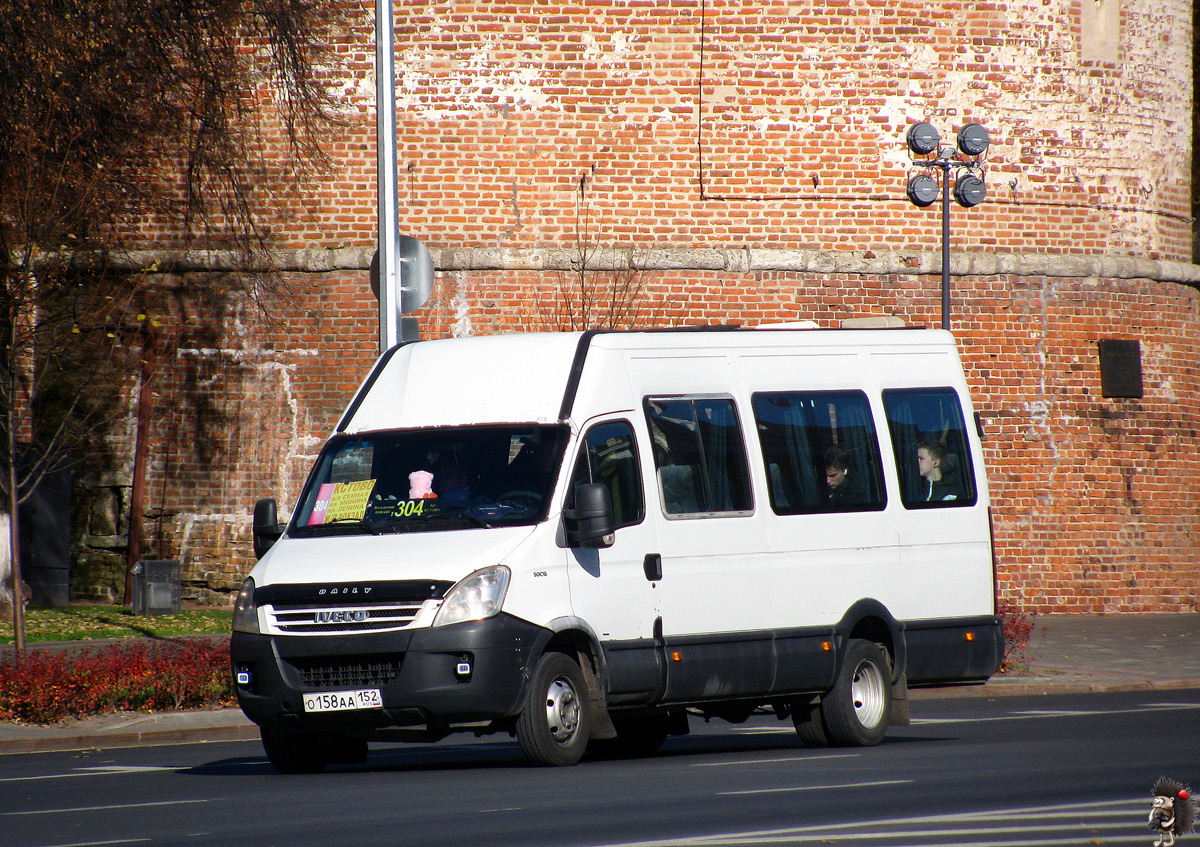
(922, 138)
(922, 190)
(969, 190)
(969, 186)
(973, 140)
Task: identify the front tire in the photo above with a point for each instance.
(855, 712)
(554, 726)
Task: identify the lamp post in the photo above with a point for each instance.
(385, 153)
(969, 187)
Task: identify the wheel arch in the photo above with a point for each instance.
(573, 637)
(870, 620)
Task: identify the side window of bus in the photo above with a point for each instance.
(608, 454)
(699, 455)
(929, 440)
(820, 451)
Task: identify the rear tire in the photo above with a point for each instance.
(809, 726)
(554, 725)
(855, 712)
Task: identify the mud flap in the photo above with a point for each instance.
(898, 716)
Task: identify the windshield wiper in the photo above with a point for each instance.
(394, 523)
(469, 515)
(360, 523)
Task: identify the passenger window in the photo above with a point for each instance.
(609, 455)
(929, 440)
(699, 455)
(820, 451)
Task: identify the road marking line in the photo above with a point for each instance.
(816, 787)
(101, 843)
(103, 808)
(775, 760)
(104, 770)
(821, 832)
(1061, 713)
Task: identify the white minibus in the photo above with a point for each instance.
(583, 538)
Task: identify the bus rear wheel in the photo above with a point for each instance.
(855, 711)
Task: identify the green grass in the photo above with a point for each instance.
(80, 623)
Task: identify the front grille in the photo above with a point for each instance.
(327, 672)
(314, 619)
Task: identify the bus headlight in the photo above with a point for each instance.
(474, 598)
(245, 613)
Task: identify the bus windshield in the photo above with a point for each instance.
(431, 479)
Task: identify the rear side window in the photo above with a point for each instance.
(699, 455)
(929, 440)
(608, 454)
(820, 451)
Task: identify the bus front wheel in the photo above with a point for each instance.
(554, 726)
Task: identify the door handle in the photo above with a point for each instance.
(652, 566)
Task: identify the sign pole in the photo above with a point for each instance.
(385, 146)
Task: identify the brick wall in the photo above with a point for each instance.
(691, 133)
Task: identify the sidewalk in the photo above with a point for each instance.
(1066, 654)
(1082, 653)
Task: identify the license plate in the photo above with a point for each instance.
(341, 701)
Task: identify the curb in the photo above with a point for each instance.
(86, 740)
(1033, 687)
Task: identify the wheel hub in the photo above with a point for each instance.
(867, 693)
(562, 710)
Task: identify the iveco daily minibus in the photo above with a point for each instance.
(582, 538)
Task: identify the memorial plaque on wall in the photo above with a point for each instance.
(1120, 367)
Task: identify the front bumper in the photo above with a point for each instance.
(419, 675)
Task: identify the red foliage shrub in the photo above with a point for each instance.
(50, 686)
(1018, 628)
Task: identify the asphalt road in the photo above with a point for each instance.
(1072, 769)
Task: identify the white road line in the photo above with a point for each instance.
(102, 770)
(100, 843)
(1061, 713)
(925, 826)
(821, 787)
(103, 808)
(775, 760)
(107, 769)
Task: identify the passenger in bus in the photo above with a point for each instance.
(845, 489)
(940, 482)
(453, 487)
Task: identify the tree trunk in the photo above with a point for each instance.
(18, 596)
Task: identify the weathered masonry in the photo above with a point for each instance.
(736, 161)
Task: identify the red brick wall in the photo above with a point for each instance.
(723, 125)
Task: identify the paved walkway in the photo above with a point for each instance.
(1066, 654)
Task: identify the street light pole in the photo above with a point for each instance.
(385, 152)
(969, 187)
(944, 164)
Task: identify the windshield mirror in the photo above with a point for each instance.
(441, 479)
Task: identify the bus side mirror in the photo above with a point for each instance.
(266, 529)
(590, 523)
